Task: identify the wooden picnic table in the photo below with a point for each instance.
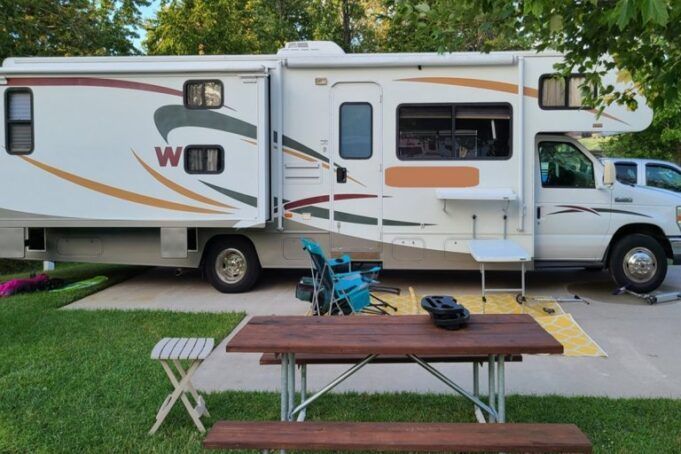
(415, 336)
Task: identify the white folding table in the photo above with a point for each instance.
(490, 250)
(499, 251)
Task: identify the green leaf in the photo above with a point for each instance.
(624, 13)
(655, 11)
(556, 23)
(423, 8)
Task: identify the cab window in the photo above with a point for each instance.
(663, 177)
(564, 166)
(627, 172)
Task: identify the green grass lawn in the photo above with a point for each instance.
(82, 381)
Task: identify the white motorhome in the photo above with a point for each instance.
(224, 162)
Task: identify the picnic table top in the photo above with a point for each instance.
(384, 335)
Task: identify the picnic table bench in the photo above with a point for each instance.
(398, 436)
(293, 340)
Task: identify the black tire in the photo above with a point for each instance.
(624, 276)
(239, 252)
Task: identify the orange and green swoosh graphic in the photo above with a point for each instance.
(119, 193)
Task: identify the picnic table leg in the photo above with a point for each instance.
(492, 388)
(476, 391)
(284, 390)
(303, 391)
(501, 383)
(291, 382)
(284, 386)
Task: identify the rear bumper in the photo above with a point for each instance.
(675, 242)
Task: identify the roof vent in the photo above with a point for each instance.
(304, 48)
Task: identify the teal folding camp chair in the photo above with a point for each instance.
(334, 288)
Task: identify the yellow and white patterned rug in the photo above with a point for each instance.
(548, 313)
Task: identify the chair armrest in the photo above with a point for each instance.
(342, 264)
(374, 270)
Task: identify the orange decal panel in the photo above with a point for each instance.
(465, 82)
(432, 177)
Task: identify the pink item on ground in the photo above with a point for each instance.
(9, 288)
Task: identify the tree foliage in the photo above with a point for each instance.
(68, 27)
(641, 39)
(662, 139)
(262, 26)
(453, 26)
(638, 37)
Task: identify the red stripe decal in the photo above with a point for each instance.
(325, 198)
(90, 82)
(575, 207)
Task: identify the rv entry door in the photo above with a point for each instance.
(356, 150)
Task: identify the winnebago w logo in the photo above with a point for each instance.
(168, 154)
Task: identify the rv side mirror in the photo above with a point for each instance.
(609, 173)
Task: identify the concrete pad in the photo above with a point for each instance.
(642, 341)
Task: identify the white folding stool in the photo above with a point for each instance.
(174, 349)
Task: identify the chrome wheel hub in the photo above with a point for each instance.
(231, 266)
(640, 265)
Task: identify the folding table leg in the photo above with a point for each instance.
(484, 289)
(291, 382)
(492, 387)
(178, 393)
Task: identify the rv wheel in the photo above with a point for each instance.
(232, 265)
(639, 263)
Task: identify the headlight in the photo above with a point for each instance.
(678, 216)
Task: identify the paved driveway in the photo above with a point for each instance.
(643, 342)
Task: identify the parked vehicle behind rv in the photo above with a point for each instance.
(224, 162)
(648, 172)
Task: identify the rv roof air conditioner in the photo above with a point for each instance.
(311, 47)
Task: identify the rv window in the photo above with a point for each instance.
(203, 94)
(564, 166)
(208, 159)
(481, 131)
(626, 172)
(557, 92)
(19, 120)
(355, 130)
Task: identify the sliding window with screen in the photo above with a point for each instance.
(19, 120)
(431, 132)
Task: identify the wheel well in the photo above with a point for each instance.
(216, 238)
(643, 229)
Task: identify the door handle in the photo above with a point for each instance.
(341, 175)
(538, 212)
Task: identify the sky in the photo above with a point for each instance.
(147, 13)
